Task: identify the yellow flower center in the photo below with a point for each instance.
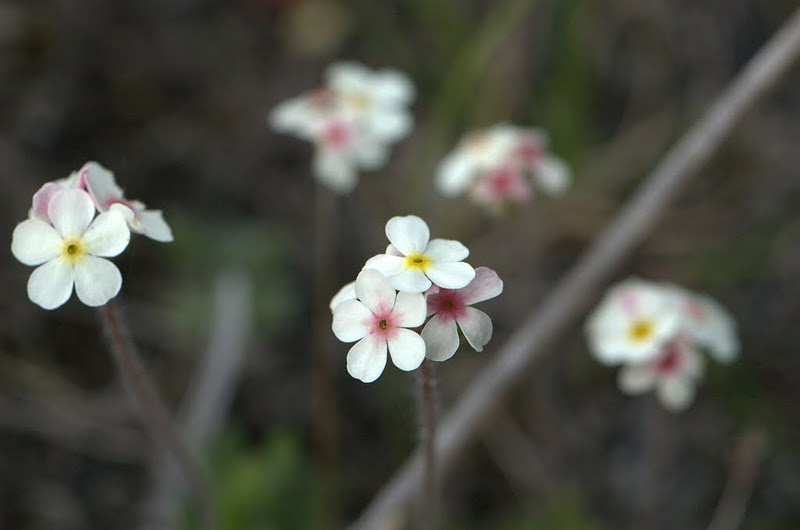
(73, 250)
(417, 261)
(359, 100)
(641, 330)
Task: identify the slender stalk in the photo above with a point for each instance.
(151, 410)
(571, 296)
(428, 407)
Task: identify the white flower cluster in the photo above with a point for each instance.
(416, 278)
(68, 244)
(657, 331)
(351, 120)
(501, 165)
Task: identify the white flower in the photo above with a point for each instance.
(674, 373)
(633, 321)
(107, 195)
(451, 310)
(69, 250)
(378, 320)
(414, 261)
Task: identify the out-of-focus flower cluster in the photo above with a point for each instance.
(416, 278)
(352, 120)
(68, 244)
(502, 165)
(659, 333)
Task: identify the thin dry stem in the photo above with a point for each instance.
(428, 407)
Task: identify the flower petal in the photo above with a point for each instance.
(409, 234)
(476, 326)
(450, 275)
(154, 226)
(409, 309)
(41, 200)
(71, 211)
(455, 174)
(389, 125)
(348, 292)
(486, 285)
(388, 265)
(552, 176)
(34, 242)
(636, 378)
(374, 291)
(676, 393)
(410, 281)
(351, 321)
(392, 86)
(407, 349)
(108, 235)
(97, 281)
(443, 250)
(335, 170)
(441, 338)
(51, 284)
(101, 185)
(367, 359)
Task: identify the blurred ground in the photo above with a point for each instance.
(173, 94)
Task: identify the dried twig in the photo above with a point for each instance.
(528, 344)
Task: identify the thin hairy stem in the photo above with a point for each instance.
(428, 405)
(152, 411)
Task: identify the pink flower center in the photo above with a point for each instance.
(447, 303)
(528, 151)
(337, 135)
(670, 361)
(383, 324)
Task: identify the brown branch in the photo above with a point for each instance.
(571, 296)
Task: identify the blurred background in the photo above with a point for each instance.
(172, 95)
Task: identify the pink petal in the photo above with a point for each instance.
(486, 285)
(101, 185)
(41, 200)
(476, 326)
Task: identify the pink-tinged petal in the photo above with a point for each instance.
(636, 378)
(351, 321)
(374, 291)
(486, 285)
(409, 310)
(476, 326)
(409, 234)
(388, 265)
(97, 281)
(367, 359)
(108, 235)
(34, 242)
(153, 225)
(71, 211)
(410, 281)
(50, 285)
(348, 292)
(676, 393)
(441, 338)
(443, 250)
(450, 275)
(41, 200)
(101, 185)
(407, 349)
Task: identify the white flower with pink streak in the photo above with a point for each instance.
(378, 321)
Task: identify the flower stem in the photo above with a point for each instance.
(151, 410)
(428, 405)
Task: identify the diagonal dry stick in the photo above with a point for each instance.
(571, 296)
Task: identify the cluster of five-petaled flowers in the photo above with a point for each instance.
(69, 245)
(416, 278)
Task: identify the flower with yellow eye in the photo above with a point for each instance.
(414, 261)
(69, 249)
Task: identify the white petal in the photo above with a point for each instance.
(351, 320)
(101, 185)
(441, 338)
(388, 265)
(347, 76)
(97, 281)
(335, 170)
(108, 235)
(348, 292)
(367, 359)
(450, 275)
(552, 176)
(369, 153)
(374, 291)
(409, 234)
(636, 378)
(154, 226)
(392, 86)
(441, 250)
(486, 285)
(410, 309)
(676, 393)
(407, 349)
(34, 242)
(455, 174)
(476, 326)
(41, 200)
(51, 284)
(410, 281)
(389, 125)
(71, 211)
